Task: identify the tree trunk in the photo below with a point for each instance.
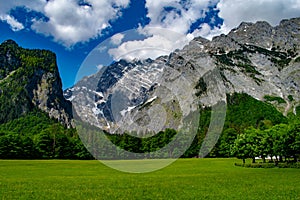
(295, 158)
(253, 160)
(244, 161)
(54, 146)
(264, 159)
(280, 159)
(272, 158)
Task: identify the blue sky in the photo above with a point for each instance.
(73, 28)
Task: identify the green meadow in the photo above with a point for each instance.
(184, 179)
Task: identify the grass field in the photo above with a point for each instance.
(185, 179)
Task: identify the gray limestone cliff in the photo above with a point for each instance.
(255, 58)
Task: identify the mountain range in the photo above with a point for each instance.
(254, 69)
(151, 95)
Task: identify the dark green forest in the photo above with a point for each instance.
(252, 128)
(36, 136)
(26, 132)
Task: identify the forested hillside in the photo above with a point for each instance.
(35, 119)
(36, 136)
(30, 80)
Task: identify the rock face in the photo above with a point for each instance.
(30, 81)
(257, 59)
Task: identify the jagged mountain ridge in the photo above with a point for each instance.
(29, 81)
(254, 58)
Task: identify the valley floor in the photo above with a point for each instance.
(184, 179)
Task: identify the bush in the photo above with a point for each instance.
(272, 98)
(295, 165)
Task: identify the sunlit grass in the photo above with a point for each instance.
(185, 179)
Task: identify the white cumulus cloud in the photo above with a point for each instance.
(70, 22)
(13, 23)
(273, 11)
(233, 12)
(170, 21)
(176, 15)
(117, 39)
(158, 41)
(206, 31)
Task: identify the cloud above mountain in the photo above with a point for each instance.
(167, 30)
(273, 11)
(176, 15)
(70, 22)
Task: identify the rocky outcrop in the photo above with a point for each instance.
(29, 81)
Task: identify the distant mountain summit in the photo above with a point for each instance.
(30, 81)
(255, 58)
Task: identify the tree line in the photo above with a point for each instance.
(252, 128)
(36, 136)
(282, 141)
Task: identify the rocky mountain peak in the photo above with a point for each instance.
(10, 42)
(255, 58)
(255, 33)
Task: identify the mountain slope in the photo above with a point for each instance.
(29, 81)
(256, 59)
(35, 119)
